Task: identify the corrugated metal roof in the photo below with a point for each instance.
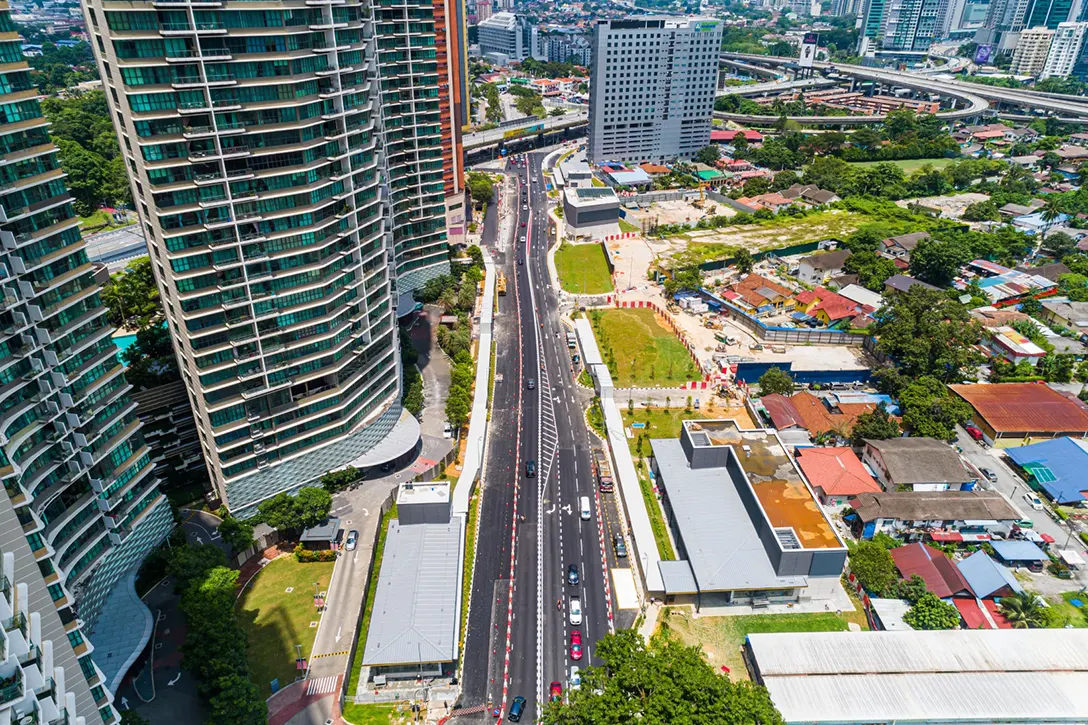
(866, 653)
(1024, 408)
(1019, 551)
(986, 576)
(418, 601)
(933, 698)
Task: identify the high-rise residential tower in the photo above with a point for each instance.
(1006, 19)
(1032, 48)
(296, 166)
(1065, 50)
(651, 91)
(82, 507)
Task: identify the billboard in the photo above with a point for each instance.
(983, 54)
(808, 49)
(519, 132)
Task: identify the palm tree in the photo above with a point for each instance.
(1022, 610)
(1053, 209)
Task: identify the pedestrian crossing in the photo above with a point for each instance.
(322, 685)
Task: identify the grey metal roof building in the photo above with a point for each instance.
(963, 676)
(417, 606)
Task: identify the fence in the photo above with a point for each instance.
(793, 335)
(750, 372)
(261, 543)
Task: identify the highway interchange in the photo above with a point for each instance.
(531, 530)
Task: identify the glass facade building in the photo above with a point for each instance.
(296, 167)
(82, 507)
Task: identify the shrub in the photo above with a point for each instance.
(309, 556)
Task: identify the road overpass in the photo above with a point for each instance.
(529, 127)
(978, 97)
(762, 89)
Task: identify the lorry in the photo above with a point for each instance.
(602, 469)
(572, 340)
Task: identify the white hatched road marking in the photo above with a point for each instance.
(322, 685)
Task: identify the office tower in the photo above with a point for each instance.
(871, 25)
(507, 38)
(652, 88)
(290, 164)
(82, 507)
(1065, 50)
(43, 682)
(1029, 56)
(964, 16)
(1006, 19)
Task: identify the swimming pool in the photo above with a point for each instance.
(123, 342)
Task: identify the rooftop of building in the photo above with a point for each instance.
(836, 470)
(935, 506)
(921, 460)
(1012, 408)
(421, 493)
(1057, 465)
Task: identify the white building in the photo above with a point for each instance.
(510, 36)
(1064, 50)
(1032, 49)
(652, 88)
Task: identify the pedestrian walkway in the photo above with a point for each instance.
(321, 685)
(296, 699)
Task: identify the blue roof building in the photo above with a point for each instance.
(1021, 552)
(988, 578)
(1057, 466)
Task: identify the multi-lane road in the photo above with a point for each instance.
(531, 527)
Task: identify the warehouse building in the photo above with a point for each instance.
(1016, 414)
(963, 676)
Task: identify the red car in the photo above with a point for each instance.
(523, 224)
(974, 432)
(576, 645)
(557, 692)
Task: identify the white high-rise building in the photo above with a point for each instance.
(652, 87)
(1064, 50)
(1032, 48)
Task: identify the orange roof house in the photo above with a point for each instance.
(836, 474)
(814, 414)
(762, 293)
(1016, 413)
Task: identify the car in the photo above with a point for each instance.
(1034, 501)
(523, 225)
(619, 545)
(532, 384)
(990, 475)
(530, 468)
(556, 692)
(575, 680)
(447, 430)
(522, 238)
(575, 645)
(516, 709)
(521, 261)
(352, 541)
(525, 207)
(575, 609)
(572, 575)
(974, 432)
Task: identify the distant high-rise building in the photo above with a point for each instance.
(483, 10)
(1006, 19)
(913, 25)
(508, 38)
(1065, 50)
(652, 87)
(562, 46)
(82, 507)
(846, 7)
(1029, 56)
(296, 168)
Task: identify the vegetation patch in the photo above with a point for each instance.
(640, 350)
(583, 269)
(368, 606)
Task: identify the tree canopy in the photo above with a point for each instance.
(659, 683)
(775, 380)
(309, 507)
(875, 426)
(927, 333)
(873, 566)
(929, 612)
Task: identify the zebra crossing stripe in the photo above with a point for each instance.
(322, 685)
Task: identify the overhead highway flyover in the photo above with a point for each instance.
(529, 127)
(972, 99)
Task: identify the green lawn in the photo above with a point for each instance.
(377, 714)
(657, 422)
(275, 620)
(721, 638)
(626, 226)
(583, 269)
(641, 350)
(1072, 616)
(909, 165)
(99, 221)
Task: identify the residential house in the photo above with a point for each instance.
(655, 169)
(829, 307)
(817, 415)
(1011, 211)
(994, 317)
(1011, 346)
(729, 135)
(1073, 315)
(917, 464)
(903, 283)
(1072, 153)
(1020, 553)
(862, 296)
(835, 474)
(1030, 161)
(762, 296)
(900, 247)
(1052, 271)
(810, 193)
(903, 512)
(1037, 223)
(771, 200)
(818, 268)
(940, 574)
(987, 578)
(1021, 135)
(1078, 139)
(1004, 285)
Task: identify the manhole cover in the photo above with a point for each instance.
(313, 624)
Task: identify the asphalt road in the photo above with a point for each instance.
(545, 425)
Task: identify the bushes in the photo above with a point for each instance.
(872, 565)
(309, 556)
(335, 481)
(459, 399)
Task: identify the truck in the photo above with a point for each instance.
(572, 340)
(602, 469)
(500, 285)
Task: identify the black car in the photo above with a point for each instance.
(516, 709)
(572, 575)
(532, 383)
(530, 468)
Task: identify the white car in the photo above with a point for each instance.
(575, 680)
(575, 611)
(523, 238)
(1033, 501)
(526, 207)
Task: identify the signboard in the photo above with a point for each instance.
(518, 132)
(808, 49)
(705, 25)
(983, 54)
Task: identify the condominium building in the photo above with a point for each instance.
(296, 167)
(82, 506)
(563, 46)
(1007, 19)
(1029, 56)
(1065, 50)
(652, 88)
(914, 25)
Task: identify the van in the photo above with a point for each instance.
(583, 506)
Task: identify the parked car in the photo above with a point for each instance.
(1034, 501)
(352, 541)
(974, 432)
(516, 709)
(619, 545)
(575, 645)
(572, 575)
(990, 475)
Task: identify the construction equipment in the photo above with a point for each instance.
(501, 284)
